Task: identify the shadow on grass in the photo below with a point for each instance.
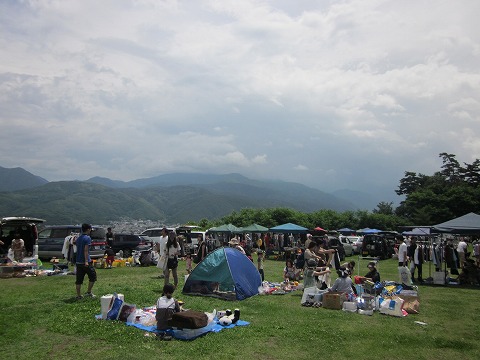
(73, 300)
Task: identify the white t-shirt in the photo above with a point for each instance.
(172, 250)
(402, 252)
(462, 246)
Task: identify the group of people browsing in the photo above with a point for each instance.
(317, 270)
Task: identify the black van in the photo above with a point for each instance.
(25, 226)
(379, 245)
(127, 243)
(52, 238)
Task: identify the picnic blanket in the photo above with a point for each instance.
(190, 334)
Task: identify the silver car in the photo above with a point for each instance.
(347, 245)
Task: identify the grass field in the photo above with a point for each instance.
(41, 320)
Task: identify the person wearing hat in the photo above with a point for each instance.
(308, 241)
(343, 283)
(312, 273)
(234, 243)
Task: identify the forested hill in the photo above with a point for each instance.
(76, 201)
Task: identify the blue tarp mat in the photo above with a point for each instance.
(190, 334)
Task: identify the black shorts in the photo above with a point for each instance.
(83, 270)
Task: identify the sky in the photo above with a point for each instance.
(330, 94)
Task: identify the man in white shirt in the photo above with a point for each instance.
(161, 247)
(402, 252)
(461, 250)
(403, 271)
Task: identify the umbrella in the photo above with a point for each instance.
(368, 231)
(346, 230)
(289, 228)
(318, 228)
(254, 228)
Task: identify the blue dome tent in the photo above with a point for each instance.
(225, 273)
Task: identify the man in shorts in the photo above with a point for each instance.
(84, 262)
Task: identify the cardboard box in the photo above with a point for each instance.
(411, 303)
(333, 300)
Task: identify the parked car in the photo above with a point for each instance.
(127, 243)
(52, 238)
(356, 243)
(26, 227)
(153, 234)
(347, 245)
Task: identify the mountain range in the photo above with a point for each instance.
(169, 198)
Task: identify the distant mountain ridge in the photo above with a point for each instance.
(170, 198)
(17, 179)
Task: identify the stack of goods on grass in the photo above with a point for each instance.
(387, 297)
(271, 288)
(185, 324)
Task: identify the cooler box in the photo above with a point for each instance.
(350, 306)
(106, 302)
(439, 277)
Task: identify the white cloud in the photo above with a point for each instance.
(301, 167)
(138, 88)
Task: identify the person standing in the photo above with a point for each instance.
(402, 252)
(418, 262)
(308, 241)
(461, 250)
(260, 258)
(84, 263)
(403, 270)
(18, 248)
(411, 249)
(109, 235)
(476, 252)
(160, 246)
(202, 248)
(172, 251)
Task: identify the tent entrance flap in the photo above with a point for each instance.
(225, 273)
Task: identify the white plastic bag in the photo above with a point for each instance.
(405, 276)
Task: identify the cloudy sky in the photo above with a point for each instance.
(331, 94)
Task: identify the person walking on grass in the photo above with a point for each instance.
(84, 263)
(172, 250)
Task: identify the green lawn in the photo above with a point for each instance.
(40, 320)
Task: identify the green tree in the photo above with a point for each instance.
(448, 193)
(384, 208)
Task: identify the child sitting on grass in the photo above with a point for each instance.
(290, 272)
(167, 305)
